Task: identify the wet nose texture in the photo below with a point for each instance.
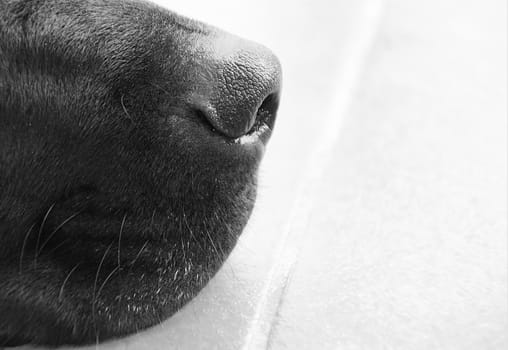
(245, 92)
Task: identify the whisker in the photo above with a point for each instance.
(23, 247)
(57, 246)
(95, 286)
(222, 251)
(223, 224)
(213, 245)
(124, 108)
(191, 232)
(106, 280)
(120, 238)
(138, 255)
(66, 279)
(40, 232)
(99, 269)
(57, 229)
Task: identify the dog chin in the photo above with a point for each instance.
(105, 277)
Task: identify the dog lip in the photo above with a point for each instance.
(259, 133)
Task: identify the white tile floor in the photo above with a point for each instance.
(405, 247)
(381, 222)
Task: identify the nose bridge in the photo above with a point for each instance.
(236, 76)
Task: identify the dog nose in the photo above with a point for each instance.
(240, 84)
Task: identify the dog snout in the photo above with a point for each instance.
(236, 84)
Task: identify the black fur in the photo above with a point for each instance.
(118, 202)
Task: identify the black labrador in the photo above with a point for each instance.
(130, 138)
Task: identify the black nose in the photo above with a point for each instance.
(238, 85)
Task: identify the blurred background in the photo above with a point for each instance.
(381, 220)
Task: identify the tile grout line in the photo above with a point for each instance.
(261, 328)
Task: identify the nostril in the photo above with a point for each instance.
(264, 117)
(267, 112)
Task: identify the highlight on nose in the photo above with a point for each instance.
(244, 90)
